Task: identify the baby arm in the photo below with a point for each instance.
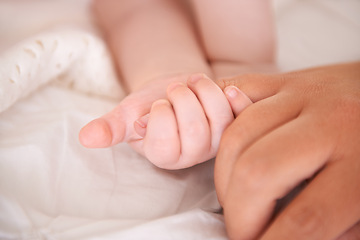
(154, 44)
(185, 129)
(238, 36)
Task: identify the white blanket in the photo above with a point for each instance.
(56, 75)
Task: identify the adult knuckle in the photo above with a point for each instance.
(350, 106)
(231, 141)
(236, 81)
(228, 143)
(316, 88)
(253, 176)
(344, 115)
(351, 234)
(233, 133)
(306, 222)
(227, 137)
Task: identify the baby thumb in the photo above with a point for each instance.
(102, 132)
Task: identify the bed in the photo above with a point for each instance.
(56, 74)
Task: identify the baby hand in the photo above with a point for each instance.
(118, 125)
(185, 129)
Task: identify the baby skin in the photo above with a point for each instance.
(186, 128)
(181, 130)
(173, 116)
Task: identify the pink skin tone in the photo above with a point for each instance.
(185, 128)
(169, 110)
(189, 123)
(151, 61)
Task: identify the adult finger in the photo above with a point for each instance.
(215, 106)
(255, 86)
(351, 234)
(326, 208)
(268, 170)
(254, 122)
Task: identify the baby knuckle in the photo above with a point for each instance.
(161, 153)
(221, 121)
(195, 130)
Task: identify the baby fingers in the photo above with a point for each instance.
(193, 126)
(215, 106)
(177, 131)
(161, 142)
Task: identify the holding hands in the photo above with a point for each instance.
(185, 128)
(176, 126)
(157, 43)
(302, 126)
(289, 128)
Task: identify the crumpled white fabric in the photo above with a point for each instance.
(52, 82)
(54, 188)
(72, 57)
(56, 75)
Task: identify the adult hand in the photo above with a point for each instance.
(303, 125)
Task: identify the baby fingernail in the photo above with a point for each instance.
(175, 85)
(160, 102)
(196, 77)
(143, 121)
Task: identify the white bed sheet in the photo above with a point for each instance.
(53, 188)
